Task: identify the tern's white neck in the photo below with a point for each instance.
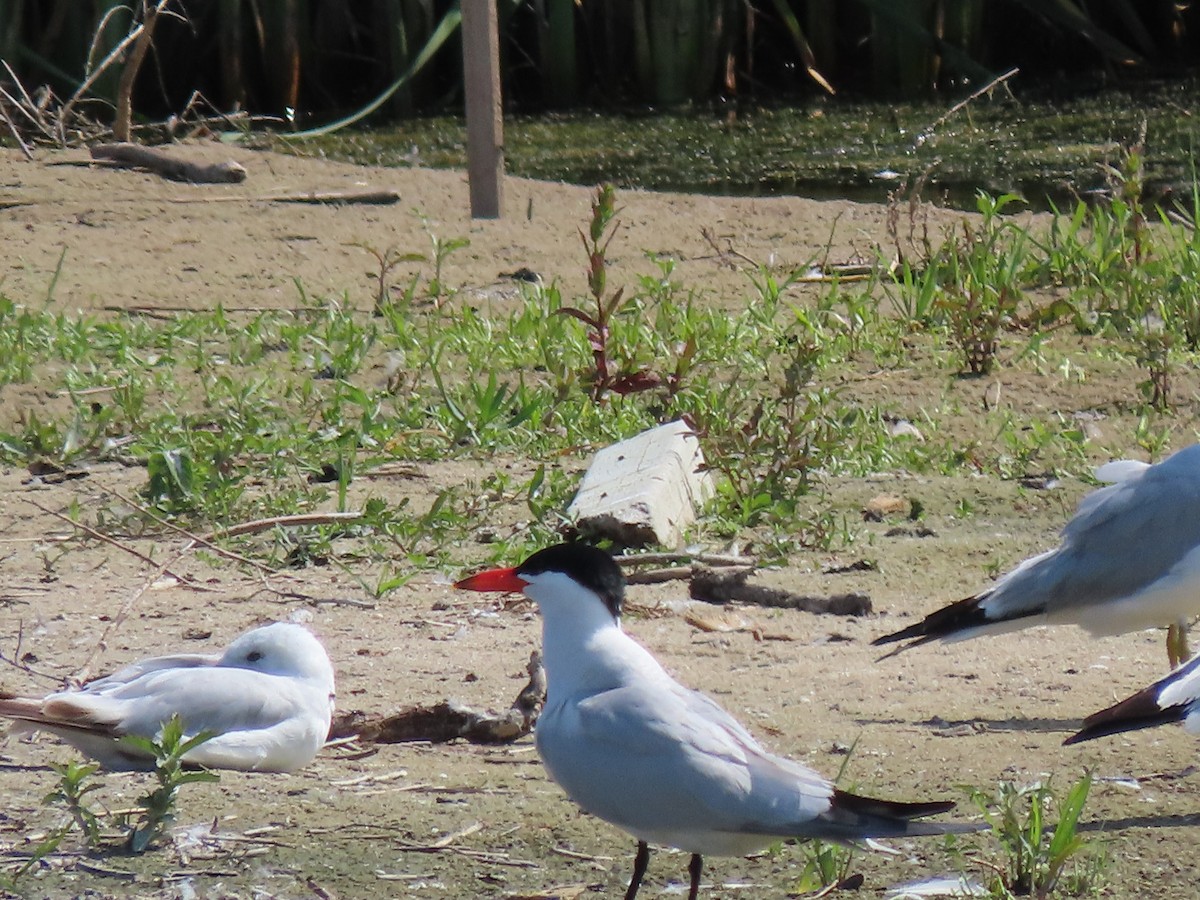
(583, 647)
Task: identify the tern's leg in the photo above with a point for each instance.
(695, 867)
(639, 869)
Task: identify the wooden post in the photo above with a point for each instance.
(485, 123)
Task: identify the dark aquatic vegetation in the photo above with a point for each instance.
(1041, 150)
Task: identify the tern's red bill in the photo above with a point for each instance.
(493, 580)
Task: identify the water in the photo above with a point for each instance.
(1046, 151)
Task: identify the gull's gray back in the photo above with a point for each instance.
(1123, 537)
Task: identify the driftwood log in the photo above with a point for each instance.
(449, 720)
(135, 156)
(730, 584)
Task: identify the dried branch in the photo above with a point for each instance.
(447, 844)
(193, 538)
(68, 107)
(100, 536)
(83, 672)
(135, 156)
(296, 521)
(12, 126)
(708, 559)
(133, 65)
(998, 80)
(17, 660)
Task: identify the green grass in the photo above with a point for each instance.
(155, 811)
(236, 417)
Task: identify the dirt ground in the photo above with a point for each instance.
(923, 724)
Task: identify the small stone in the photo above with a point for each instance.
(885, 505)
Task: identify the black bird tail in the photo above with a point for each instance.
(946, 622)
(1141, 710)
(868, 817)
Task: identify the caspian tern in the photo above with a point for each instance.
(1175, 698)
(1129, 560)
(268, 699)
(631, 745)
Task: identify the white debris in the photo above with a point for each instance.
(645, 489)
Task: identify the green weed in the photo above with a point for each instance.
(74, 784)
(613, 367)
(1039, 858)
(237, 416)
(827, 864)
(158, 807)
(41, 851)
(386, 261)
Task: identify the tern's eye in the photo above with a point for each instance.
(254, 656)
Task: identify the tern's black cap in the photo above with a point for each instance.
(590, 566)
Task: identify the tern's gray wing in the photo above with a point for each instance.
(662, 761)
(657, 757)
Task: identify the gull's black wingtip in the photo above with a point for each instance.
(960, 616)
(1145, 709)
(893, 809)
(1142, 710)
(916, 631)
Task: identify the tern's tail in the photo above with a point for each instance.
(853, 817)
(21, 710)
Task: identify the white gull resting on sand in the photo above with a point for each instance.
(630, 744)
(268, 700)
(1129, 560)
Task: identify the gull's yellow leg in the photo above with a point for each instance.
(1177, 644)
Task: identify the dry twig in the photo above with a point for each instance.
(193, 539)
(124, 117)
(83, 672)
(447, 844)
(17, 662)
(296, 521)
(64, 114)
(101, 536)
(941, 120)
(708, 559)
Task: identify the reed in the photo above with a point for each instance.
(559, 64)
(280, 24)
(231, 39)
(324, 57)
(677, 45)
(403, 29)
